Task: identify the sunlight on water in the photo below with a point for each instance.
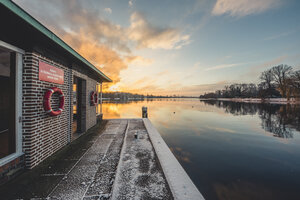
(230, 150)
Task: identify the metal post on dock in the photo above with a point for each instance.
(144, 112)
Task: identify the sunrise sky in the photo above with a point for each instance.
(184, 47)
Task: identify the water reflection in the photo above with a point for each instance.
(277, 119)
(181, 154)
(243, 190)
(228, 149)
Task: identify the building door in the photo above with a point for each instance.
(10, 103)
(75, 105)
(79, 107)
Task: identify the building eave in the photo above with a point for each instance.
(45, 31)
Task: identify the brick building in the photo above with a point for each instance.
(32, 61)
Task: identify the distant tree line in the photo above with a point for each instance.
(126, 95)
(121, 95)
(279, 81)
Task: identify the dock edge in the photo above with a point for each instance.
(181, 186)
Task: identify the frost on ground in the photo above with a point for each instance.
(139, 175)
(115, 168)
(93, 176)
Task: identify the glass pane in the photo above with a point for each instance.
(75, 105)
(4, 63)
(75, 98)
(7, 140)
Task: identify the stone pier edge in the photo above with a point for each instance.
(118, 171)
(181, 186)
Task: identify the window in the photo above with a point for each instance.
(7, 103)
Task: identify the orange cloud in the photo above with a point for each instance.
(138, 60)
(106, 44)
(148, 36)
(98, 54)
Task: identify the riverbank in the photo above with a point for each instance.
(258, 100)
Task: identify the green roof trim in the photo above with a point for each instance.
(40, 27)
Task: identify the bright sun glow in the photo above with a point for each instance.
(114, 88)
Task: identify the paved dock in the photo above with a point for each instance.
(95, 174)
(122, 159)
(139, 175)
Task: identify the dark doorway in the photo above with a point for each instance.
(7, 102)
(79, 106)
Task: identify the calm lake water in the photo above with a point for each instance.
(230, 150)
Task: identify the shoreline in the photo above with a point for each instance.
(258, 100)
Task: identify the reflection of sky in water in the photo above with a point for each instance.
(230, 152)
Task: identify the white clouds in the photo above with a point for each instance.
(108, 45)
(148, 85)
(198, 89)
(108, 10)
(130, 3)
(284, 34)
(149, 36)
(222, 66)
(138, 60)
(243, 7)
(257, 69)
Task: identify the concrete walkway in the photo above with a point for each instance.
(92, 176)
(136, 175)
(139, 175)
(117, 159)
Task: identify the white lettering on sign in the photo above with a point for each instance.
(50, 73)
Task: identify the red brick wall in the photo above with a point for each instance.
(43, 134)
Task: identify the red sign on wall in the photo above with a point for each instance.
(50, 73)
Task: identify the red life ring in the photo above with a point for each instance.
(94, 98)
(47, 103)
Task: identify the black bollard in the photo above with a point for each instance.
(144, 112)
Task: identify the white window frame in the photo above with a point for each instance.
(18, 104)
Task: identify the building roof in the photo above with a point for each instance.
(45, 31)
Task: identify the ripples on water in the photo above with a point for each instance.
(230, 150)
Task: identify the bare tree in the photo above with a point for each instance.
(267, 87)
(267, 78)
(279, 81)
(295, 83)
(296, 78)
(281, 74)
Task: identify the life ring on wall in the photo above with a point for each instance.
(94, 98)
(47, 103)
